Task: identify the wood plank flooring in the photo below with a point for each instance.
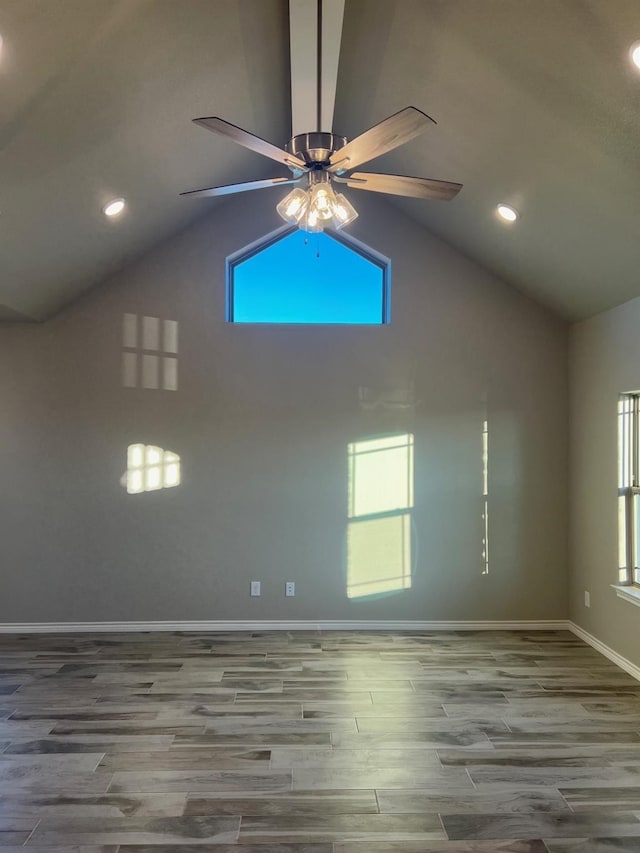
(487, 742)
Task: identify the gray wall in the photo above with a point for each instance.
(604, 361)
(262, 420)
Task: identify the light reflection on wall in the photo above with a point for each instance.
(150, 468)
(485, 497)
(150, 353)
(380, 501)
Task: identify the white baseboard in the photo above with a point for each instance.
(594, 642)
(275, 625)
(322, 625)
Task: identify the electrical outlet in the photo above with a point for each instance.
(289, 588)
(587, 599)
(255, 588)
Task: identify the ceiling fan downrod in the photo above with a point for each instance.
(319, 67)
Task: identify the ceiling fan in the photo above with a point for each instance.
(318, 160)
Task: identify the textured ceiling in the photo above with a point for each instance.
(536, 103)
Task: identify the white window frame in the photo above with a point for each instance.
(629, 490)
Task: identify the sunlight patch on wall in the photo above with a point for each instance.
(379, 555)
(380, 499)
(485, 497)
(151, 468)
(150, 349)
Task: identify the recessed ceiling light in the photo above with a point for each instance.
(634, 53)
(113, 208)
(506, 212)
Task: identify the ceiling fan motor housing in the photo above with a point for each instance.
(315, 148)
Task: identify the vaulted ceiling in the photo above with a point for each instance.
(536, 101)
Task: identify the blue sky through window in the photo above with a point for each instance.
(307, 278)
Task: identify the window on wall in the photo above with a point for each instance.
(629, 489)
(292, 277)
(380, 499)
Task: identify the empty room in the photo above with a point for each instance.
(320, 426)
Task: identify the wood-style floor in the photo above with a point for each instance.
(481, 742)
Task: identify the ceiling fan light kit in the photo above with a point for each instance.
(318, 206)
(318, 159)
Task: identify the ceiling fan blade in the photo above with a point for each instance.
(388, 134)
(249, 140)
(402, 185)
(227, 189)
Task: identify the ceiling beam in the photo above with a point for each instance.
(303, 34)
